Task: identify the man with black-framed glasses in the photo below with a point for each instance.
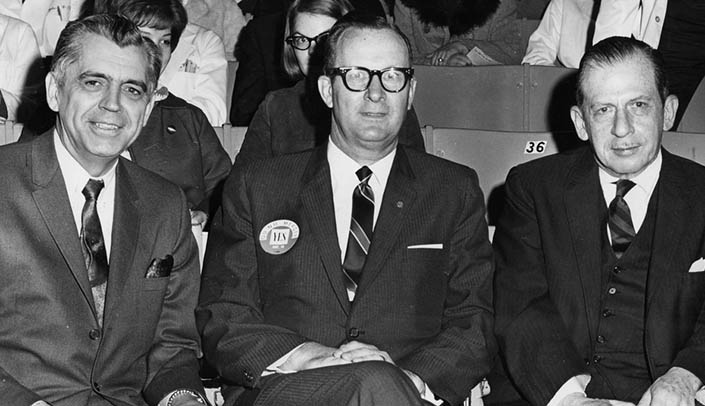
(356, 273)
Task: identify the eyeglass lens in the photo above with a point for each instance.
(358, 79)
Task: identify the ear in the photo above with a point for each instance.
(670, 107)
(412, 92)
(52, 91)
(576, 114)
(325, 89)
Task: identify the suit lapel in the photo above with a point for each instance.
(126, 232)
(399, 196)
(583, 203)
(671, 222)
(317, 201)
(53, 204)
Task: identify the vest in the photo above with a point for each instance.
(619, 368)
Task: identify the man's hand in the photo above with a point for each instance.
(579, 399)
(677, 387)
(355, 351)
(312, 355)
(441, 55)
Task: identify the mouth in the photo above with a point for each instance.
(374, 115)
(104, 126)
(625, 150)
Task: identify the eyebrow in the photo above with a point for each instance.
(139, 83)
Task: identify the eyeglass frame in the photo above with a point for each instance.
(290, 40)
(343, 70)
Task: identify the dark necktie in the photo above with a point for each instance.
(94, 246)
(363, 209)
(620, 219)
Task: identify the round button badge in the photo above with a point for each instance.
(278, 236)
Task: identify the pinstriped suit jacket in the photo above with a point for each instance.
(430, 309)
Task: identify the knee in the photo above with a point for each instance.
(379, 374)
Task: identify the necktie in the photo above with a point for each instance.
(620, 219)
(94, 246)
(360, 230)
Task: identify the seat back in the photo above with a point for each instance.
(693, 120)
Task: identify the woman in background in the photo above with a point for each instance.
(296, 119)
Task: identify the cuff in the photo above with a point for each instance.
(576, 384)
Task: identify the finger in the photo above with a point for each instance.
(645, 399)
(619, 403)
(370, 357)
(359, 353)
(353, 345)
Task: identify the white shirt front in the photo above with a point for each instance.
(638, 196)
(20, 74)
(642, 19)
(76, 178)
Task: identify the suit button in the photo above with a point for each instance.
(96, 386)
(601, 339)
(587, 361)
(354, 332)
(94, 334)
(596, 359)
(612, 291)
(248, 376)
(617, 270)
(607, 313)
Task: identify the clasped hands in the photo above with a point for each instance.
(677, 387)
(314, 355)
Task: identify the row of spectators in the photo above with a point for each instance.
(443, 32)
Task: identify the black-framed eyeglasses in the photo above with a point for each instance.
(358, 78)
(302, 42)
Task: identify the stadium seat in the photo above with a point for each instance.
(693, 120)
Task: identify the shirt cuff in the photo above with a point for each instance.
(165, 399)
(275, 367)
(429, 396)
(576, 384)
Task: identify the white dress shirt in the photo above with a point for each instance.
(20, 75)
(76, 178)
(642, 19)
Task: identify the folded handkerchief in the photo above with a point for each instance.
(426, 246)
(697, 266)
(160, 267)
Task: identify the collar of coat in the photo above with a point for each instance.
(459, 15)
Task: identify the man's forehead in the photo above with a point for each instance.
(356, 42)
(98, 54)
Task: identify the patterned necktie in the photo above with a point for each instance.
(93, 246)
(360, 230)
(620, 219)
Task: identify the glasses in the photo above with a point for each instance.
(302, 42)
(358, 79)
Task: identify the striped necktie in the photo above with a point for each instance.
(620, 219)
(363, 209)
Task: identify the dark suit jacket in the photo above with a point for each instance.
(51, 346)
(260, 70)
(179, 144)
(293, 120)
(430, 309)
(548, 281)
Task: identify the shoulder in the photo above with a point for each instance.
(14, 156)
(286, 95)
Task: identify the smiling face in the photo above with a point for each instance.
(162, 38)
(102, 101)
(366, 124)
(623, 116)
(309, 25)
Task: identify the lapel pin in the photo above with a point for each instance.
(278, 236)
(400, 204)
(170, 129)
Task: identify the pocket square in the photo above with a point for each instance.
(425, 246)
(697, 266)
(160, 268)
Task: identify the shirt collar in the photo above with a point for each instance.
(646, 180)
(75, 176)
(342, 164)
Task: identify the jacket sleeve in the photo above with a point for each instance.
(543, 43)
(257, 144)
(237, 340)
(462, 354)
(172, 361)
(538, 352)
(215, 164)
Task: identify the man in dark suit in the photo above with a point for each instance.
(293, 311)
(600, 281)
(99, 271)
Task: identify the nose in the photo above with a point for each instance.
(375, 91)
(111, 98)
(622, 125)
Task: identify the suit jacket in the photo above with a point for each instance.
(51, 346)
(293, 120)
(179, 144)
(548, 281)
(431, 309)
